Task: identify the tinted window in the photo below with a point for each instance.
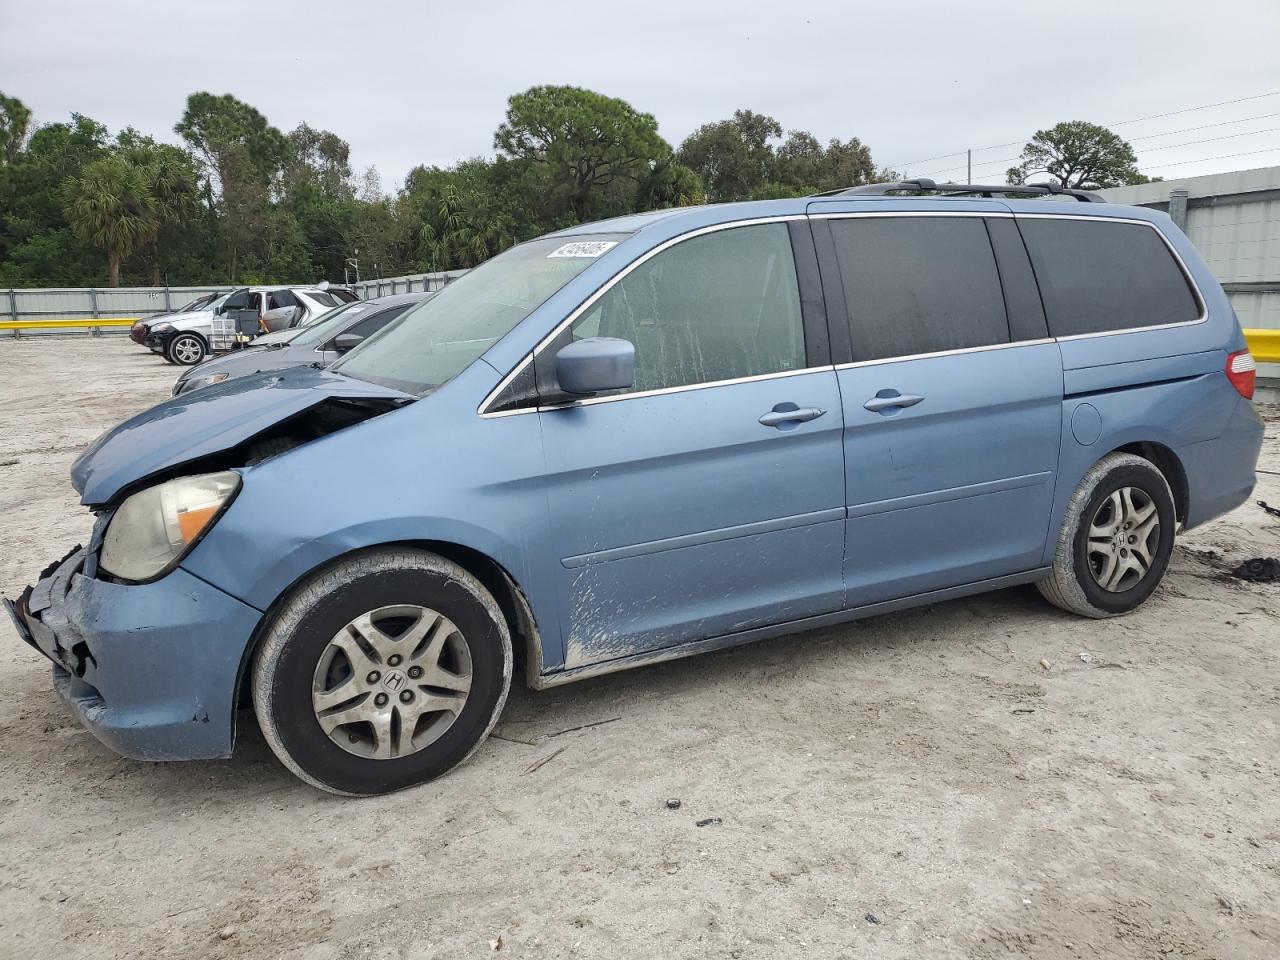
(717, 307)
(282, 298)
(370, 325)
(1097, 276)
(919, 285)
(325, 298)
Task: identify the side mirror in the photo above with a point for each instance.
(595, 365)
(347, 341)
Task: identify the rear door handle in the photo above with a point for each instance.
(796, 414)
(893, 399)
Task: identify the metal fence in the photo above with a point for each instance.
(30, 311)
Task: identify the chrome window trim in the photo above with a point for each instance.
(945, 353)
(600, 291)
(660, 391)
(1177, 258)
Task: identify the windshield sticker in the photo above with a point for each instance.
(583, 248)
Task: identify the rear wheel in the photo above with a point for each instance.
(1116, 539)
(385, 671)
(187, 349)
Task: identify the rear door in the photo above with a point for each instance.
(952, 396)
(708, 499)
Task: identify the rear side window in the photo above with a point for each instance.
(281, 298)
(325, 298)
(721, 306)
(370, 325)
(918, 285)
(1097, 276)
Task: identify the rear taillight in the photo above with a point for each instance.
(1242, 372)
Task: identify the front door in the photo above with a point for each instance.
(952, 402)
(709, 498)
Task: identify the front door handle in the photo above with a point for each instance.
(891, 398)
(777, 417)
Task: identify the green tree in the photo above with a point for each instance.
(224, 131)
(15, 126)
(174, 186)
(37, 245)
(733, 157)
(589, 144)
(1078, 155)
(110, 205)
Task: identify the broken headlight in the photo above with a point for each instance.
(155, 528)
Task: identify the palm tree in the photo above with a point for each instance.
(111, 206)
(175, 192)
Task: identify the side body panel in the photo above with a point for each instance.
(958, 487)
(680, 516)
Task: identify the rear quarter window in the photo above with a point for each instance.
(1100, 276)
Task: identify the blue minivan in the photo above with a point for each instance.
(646, 438)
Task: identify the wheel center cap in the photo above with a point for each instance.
(394, 680)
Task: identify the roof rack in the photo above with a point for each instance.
(925, 185)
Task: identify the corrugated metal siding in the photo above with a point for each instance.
(1239, 241)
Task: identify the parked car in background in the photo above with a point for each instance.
(186, 338)
(320, 342)
(138, 332)
(643, 439)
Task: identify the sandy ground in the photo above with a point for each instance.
(917, 785)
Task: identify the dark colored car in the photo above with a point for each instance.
(322, 342)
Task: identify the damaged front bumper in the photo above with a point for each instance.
(150, 669)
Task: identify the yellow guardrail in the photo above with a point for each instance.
(1264, 345)
(64, 323)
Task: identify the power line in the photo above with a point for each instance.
(1222, 156)
(1167, 146)
(1118, 123)
(1205, 126)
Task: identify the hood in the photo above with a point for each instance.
(216, 420)
(176, 318)
(250, 360)
(280, 336)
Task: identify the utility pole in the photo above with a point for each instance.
(969, 166)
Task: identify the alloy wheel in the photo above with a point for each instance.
(1123, 537)
(186, 350)
(392, 681)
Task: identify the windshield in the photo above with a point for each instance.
(327, 323)
(441, 337)
(198, 303)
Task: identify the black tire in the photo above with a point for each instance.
(1074, 585)
(286, 664)
(186, 350)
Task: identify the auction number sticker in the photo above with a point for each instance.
(583, 248)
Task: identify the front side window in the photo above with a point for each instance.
(720, 306)
(1097, 276)
(917, 285)
(441, 337)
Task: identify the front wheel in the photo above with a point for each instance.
(187, 349)
(384, 671)
(1115, 541)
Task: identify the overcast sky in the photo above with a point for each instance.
(425, 82)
